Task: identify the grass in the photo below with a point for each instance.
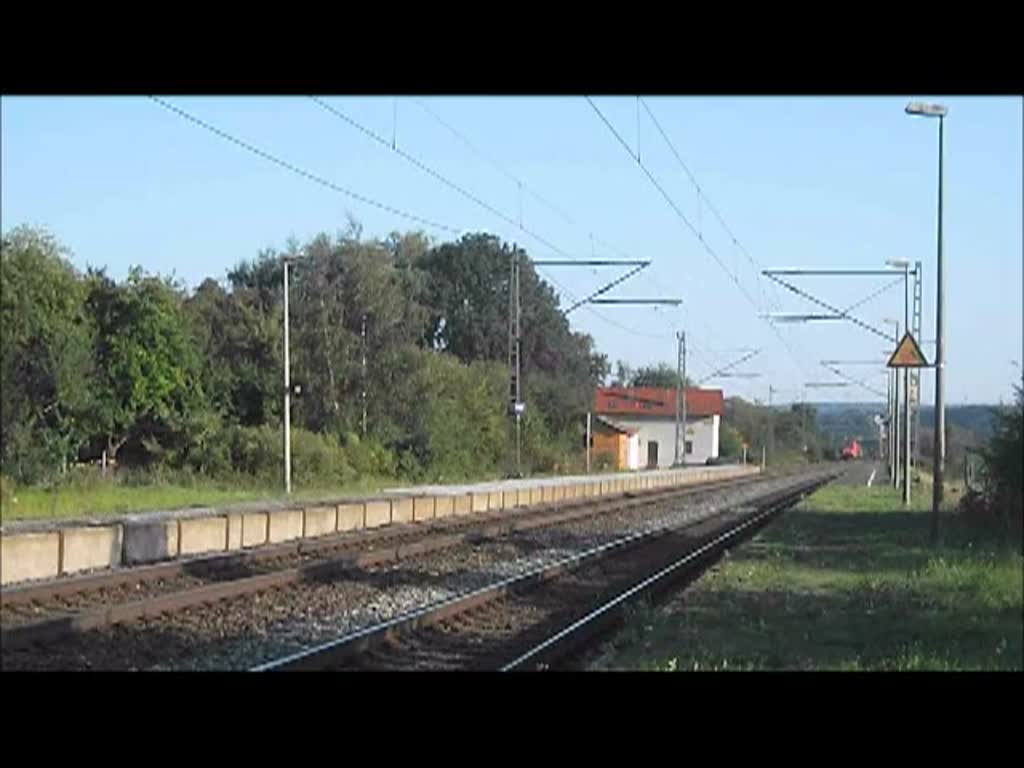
(112, 498)
(844, 581)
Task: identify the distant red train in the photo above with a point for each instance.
(852, 450)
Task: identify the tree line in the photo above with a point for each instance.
(409, 332)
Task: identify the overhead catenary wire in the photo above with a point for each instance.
(301, 171)
(451, 184)
(702, 197)
(326, 183)
(691, 228)
(523, 186)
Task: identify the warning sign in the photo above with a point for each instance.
(907, 354)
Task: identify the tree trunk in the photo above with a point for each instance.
(113, 447)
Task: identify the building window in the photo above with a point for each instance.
(689, 446)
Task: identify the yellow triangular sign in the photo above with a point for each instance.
(907, 354)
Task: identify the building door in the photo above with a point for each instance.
(652, 454)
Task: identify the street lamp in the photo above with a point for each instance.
(939, 467)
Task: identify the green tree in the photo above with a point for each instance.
(1004, 460)
(45, 361)
(240, 348)
(459, 425)
(148, 385)
(730, 442)
(467, 298)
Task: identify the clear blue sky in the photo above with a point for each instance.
(801, 182)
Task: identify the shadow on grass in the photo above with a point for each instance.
(889, 628)
(870, 541)
(842, 590)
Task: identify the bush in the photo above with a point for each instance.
(316, 459)
(369, 458)
(6, 492)
(1004, 465)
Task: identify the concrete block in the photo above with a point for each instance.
(378, 513)
(479, 502)
(148, 542)
(401, 510)
(423, 508)
(203, 534)
(284, 525)
(494, 500)
(234, 531)
(29, 556)
(463, 504)
(320, 521)
(444, 506)
(86, 548)
(350, 517)
(254, 529)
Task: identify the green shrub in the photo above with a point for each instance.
(316, 459)
(6, 491)
(369, 458)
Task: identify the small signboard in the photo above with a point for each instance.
(907, 354)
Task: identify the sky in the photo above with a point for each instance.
(807, 182)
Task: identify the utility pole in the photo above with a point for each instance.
(287, 393)
(514, 349)
(364, 376)
(915, 373)
(681, 396)
(588, 442)
(771, 421)
(896, 422)
(906, 393)
(682, 384)
(888, 431)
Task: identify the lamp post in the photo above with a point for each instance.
(939, 460)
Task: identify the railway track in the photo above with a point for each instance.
(535, 619)
(45, 613)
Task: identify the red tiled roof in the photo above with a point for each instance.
(656, 401)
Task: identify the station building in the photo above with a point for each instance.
(636, 426)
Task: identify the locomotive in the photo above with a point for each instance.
(851, 450)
